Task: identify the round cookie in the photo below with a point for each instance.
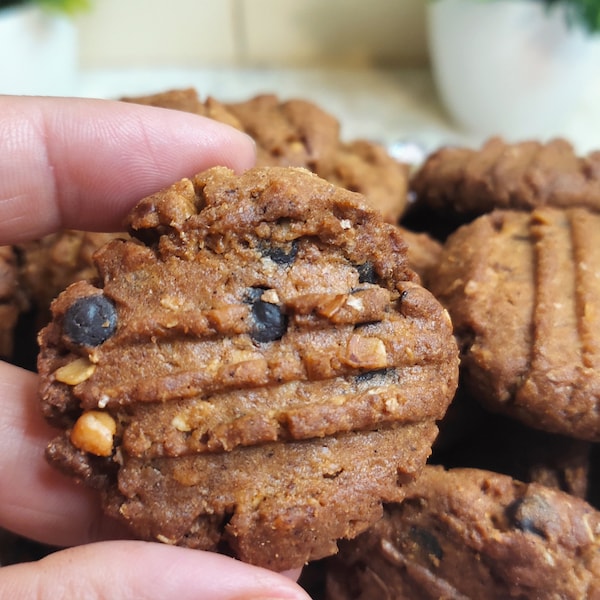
(468, 533)
(255, 373)
(299, 133)
(50, 264)
(469, 182)
(523, 291)
(12, 301)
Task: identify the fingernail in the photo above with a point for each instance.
(264, 598)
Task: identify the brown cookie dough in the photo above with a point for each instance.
(298, 133)
(257, 376)
(12, 301)
(467, 533)
(424, 252)
(523, 291)
(499, 175)
(49, 265)
(503, 445)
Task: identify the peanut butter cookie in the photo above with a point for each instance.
(523, 291)
(468, 533)
(255, 373)
(299, 133)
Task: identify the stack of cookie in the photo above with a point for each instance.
(291, 382)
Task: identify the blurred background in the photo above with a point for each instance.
(376, 65)
(253, 33)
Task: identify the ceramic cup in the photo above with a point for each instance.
(508, 67)
(38, 52)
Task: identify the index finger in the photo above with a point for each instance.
(82, 164)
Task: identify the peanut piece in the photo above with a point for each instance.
(75, 372)
(93, 432)
(366, 352)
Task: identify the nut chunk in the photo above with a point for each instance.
(255, 372)
(93, 432)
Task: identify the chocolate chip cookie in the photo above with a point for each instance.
(254, 373)
(523, 291)
(12, 301)
(469, 182)
(467, 533)
(299, 133)
(50, 264)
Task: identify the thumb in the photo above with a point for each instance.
(129, 570)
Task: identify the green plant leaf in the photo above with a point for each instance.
(580, 13)
(69, 7)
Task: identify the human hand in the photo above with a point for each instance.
(82, 164)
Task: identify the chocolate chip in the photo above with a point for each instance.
(529, 514)
(366, 273)
(373, 376)
(90, 320)
(427, 542)
(282, 256)
(269, 322)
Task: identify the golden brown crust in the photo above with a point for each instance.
(500, 175)
(522, 290)
(467, 533)
(269, 331)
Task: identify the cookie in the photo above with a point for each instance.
(467, 182)
(255, 373)
(50, 264)
(184, 99)
(424, 252)
(504, 445)
(299, 133)
(12, 301)
(366, 167)
(523, 291)
(468, 533)
(292, 132)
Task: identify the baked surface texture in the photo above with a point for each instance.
(261, 363)
(501, 175)
(424, 252)
(473, 534)
(523, 291)
(299, 133)
(12, 300)
(504, 445)
(50, 264)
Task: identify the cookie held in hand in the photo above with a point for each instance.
(254, 374)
